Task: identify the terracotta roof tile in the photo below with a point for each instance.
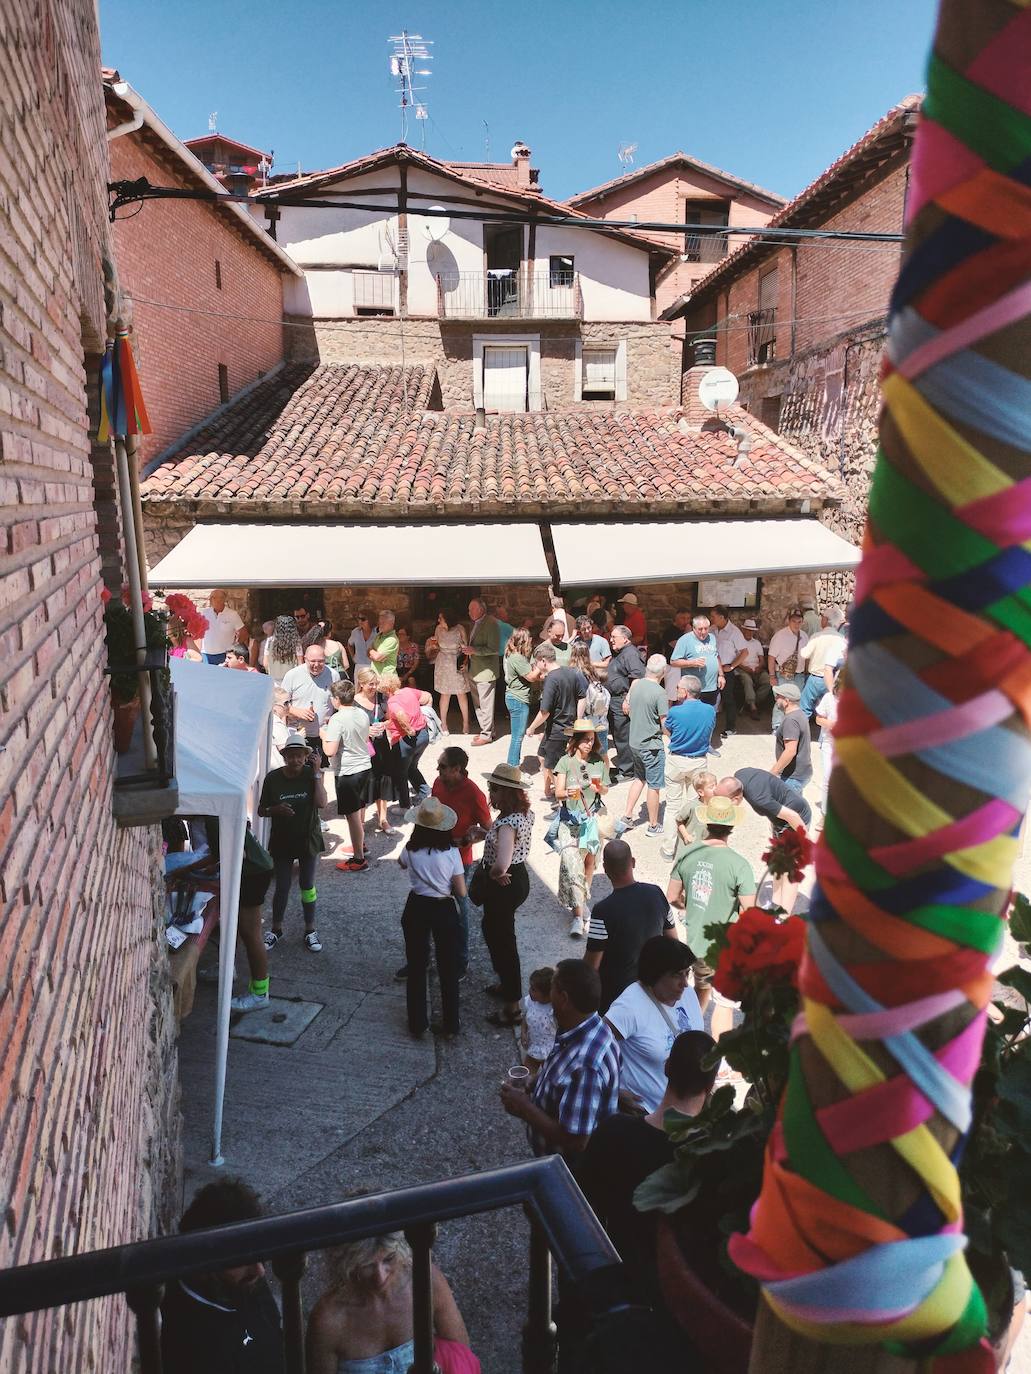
(359, 440)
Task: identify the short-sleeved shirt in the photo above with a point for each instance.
(729, 643)
(505, 633)
(517, 671)
(304, 690)
(221, 632)
(349, 726)
(754, 653)
(562, 651)
(430, 870)
(299, 835)
(795, 726)
(578, 1085)
(405, 701)
(522, 823)
(690, 727)
(470, 807)
(648, 707)
(714, 877)
(648, 1038)
(579, 774)
(767, 795)
(826, 650)
(599, 649)
(620, 924)
(563, 689)
(690, 646)
(199, 1336)
(386, 643)
(359, 647)
(783, 645)
(633, 619)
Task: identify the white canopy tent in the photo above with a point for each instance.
(221, 726)
(685, 550)
(334, 555)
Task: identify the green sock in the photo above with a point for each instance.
(259, 986)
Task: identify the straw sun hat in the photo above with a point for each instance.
(432, 814)
(507, 775)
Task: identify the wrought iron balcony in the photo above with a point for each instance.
(702, 245)
(145, 789)
(762, 336)
(509, 295)
(561, 1223)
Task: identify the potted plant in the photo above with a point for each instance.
(121, 656)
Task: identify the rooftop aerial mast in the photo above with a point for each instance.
(409, 58)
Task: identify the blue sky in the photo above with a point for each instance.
(770, 90)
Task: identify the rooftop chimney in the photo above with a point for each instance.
(521, 159)
(703, 357)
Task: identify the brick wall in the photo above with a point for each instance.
(167, 253)
(653, 368)
(88, 1105)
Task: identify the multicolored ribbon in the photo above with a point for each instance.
(122, 411)
(857, 1236)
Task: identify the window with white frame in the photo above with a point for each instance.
(600, 372)
(507, 372)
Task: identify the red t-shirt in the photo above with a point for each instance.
(470, 806)
(633, 619)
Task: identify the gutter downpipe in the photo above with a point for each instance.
(121, 90)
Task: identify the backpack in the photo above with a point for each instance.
(596, 703)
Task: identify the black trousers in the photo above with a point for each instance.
(619, 734)
(498, 926)
(423, 918)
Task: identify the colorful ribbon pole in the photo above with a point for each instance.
(122, 409)
(857, 1236)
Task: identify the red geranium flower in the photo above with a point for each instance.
(789, 855)
(759, 951)
(148, 600)
(105, 596)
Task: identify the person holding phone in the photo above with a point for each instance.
(292, 797)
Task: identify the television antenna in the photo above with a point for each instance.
(625, 153)
(213, 122)
(409, 58)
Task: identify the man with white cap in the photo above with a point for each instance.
(751, 671)
(633, 618)
(821, 656)
(794, 763)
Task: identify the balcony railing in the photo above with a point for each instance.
(561, 1223)
(705, 246)
(145, 789)
(762, 336)
(509, 295)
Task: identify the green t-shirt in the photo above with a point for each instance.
(386, 644)
(714, 877)
(517, 669)
(562, 652)
(576, 771)
(296, 836)
(648, 707)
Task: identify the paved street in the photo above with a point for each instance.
(357, 1105)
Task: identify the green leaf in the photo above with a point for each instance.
(1020, 919)
(667, 1190)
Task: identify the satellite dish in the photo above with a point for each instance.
(438, 227)
(718, 388)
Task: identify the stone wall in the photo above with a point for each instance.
(88, 1087)
(653, 363)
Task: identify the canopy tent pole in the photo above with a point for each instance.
(857, 1235)
(232, 834)
(262, 824)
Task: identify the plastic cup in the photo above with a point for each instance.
(518, 1076)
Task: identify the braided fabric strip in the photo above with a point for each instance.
(857, 1236)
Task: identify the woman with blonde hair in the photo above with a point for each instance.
(408, 733)
(364, 1324)
(380, 782)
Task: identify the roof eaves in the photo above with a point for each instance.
(672, 159)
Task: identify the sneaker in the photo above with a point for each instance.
(623, 824)
(668, 854)
(727, 733)
(250, 1001)
(653, 831)
(402, 974)
(715, 754)
(324, 826)
(272, 938)
(577, 928)
(312, 941)
(353, 865)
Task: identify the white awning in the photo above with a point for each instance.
(683, 551)
(331, 555)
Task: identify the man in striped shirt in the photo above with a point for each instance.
(578, 1085)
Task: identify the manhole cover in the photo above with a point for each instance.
(280, 1023)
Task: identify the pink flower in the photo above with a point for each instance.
(105, 596)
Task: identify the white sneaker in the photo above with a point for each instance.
(577, 928)
(249, 1001)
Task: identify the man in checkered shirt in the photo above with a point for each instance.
(579, 1082)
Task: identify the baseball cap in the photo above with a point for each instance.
(717, 811)
(630, 599)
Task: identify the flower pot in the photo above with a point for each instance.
(720, 1335)
(125, 716)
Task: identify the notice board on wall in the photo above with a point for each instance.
(739, 592)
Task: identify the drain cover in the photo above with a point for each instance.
(280, 1023)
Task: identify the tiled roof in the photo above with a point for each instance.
(673, 160)
(812, 206)
(498, 173)
(341, 440)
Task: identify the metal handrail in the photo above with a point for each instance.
(561, 1221)
(509, 294)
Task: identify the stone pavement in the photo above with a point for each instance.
(357, 1105)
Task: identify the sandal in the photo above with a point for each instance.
(504, 1018)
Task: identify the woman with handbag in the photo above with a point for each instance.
(581, 781)
(501, 885)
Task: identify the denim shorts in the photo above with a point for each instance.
(650, 766)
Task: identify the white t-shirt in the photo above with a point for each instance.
(647, 1039)
(755, 655)
(540, 1027)
(782, 645)
(729, 641)
(222, 628)
(349, 726)
(359, 647)
(430, 870)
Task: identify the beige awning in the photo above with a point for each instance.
(336, 555)
(684, 551)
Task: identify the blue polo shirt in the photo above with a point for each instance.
(690, 646)
(690, 727)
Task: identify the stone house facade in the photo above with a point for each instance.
(803, 326)
(205, 281)
(89, 1121)
(682, 190)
